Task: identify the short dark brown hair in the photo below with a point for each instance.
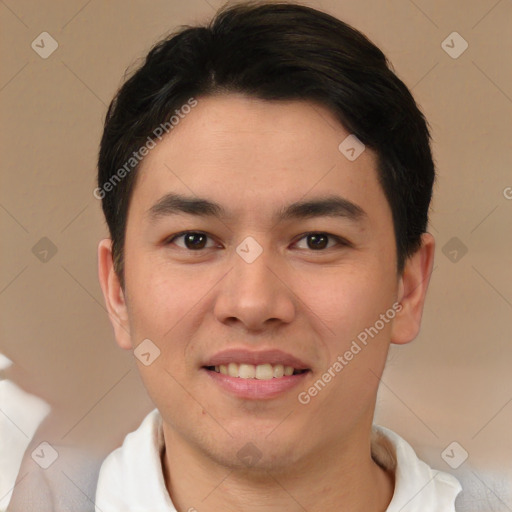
(274, 51)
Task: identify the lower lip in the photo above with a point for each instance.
(256, 389)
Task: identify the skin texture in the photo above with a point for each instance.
(253, 157)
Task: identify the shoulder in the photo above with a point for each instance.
(146, 436)
(132, 474)
(418, 487)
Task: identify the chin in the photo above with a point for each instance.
(253, 455)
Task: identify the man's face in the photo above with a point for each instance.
(304, 298)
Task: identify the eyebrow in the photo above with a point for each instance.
(328, 206)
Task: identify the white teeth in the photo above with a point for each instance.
(249, 371)
(233, 370)
(246, 371)
(278, 370)
(264, 372)
(288, 370)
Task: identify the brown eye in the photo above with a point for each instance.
(317, 241)
(320, 241)
(192, 240)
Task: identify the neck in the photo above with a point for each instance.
(334, 479)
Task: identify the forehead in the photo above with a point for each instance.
(251, 156)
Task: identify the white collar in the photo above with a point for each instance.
(131, 477)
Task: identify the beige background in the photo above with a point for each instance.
(453, 383)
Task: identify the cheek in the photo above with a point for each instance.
(160, 310)
(351, 303)
(346, 299)
(168, 307)
(159, 298)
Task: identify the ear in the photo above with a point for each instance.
(113, 294)
(412, 290)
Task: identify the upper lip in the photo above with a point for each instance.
(245, 356)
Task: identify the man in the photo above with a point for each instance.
(266, 182)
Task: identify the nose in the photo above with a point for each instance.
(256, 294)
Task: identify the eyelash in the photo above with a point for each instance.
(340, 241)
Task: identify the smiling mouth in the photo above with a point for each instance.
(261, 371)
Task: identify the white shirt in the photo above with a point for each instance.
(131, 477)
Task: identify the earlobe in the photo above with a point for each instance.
(412, 290)
(113, 294)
